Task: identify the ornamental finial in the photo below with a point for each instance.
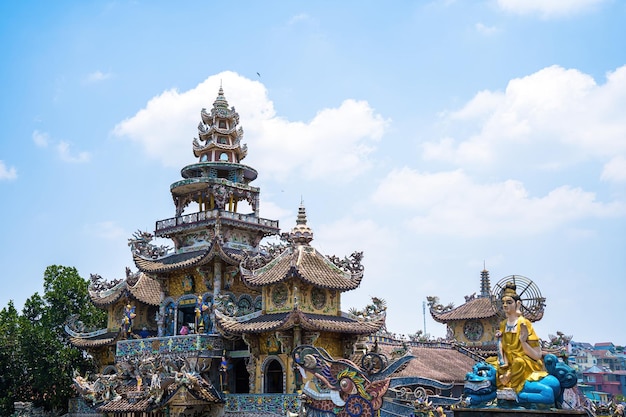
(301, 233)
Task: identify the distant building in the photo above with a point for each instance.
(603, 380)
(473, 323)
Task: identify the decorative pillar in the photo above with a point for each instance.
(217, 288)
(217, 278)
(160, 315)
(297, 339)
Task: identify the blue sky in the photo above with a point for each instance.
(435, 136)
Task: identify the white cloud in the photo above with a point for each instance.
(550, 119)
(41, 139)
(335, 144)
(452, 203)
(615, 170)
(297, 18)
(7, 173)
(485, 30)
(97, 76)
(63, 149)
(548, 8)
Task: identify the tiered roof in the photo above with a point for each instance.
(307, 264)
(304, 262)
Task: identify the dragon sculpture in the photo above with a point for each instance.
(436, 306)
(140, 244)
(339, 387)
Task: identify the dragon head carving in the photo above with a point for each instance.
(337, 387)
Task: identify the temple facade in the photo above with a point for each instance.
(206, 326)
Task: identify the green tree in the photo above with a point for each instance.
(11, 368)
(66, 293)
(36, 358)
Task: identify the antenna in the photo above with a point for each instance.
(424, 314)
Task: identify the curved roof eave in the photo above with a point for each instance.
(478, 308)
(172, 262)
(146, 290)
(286, 320)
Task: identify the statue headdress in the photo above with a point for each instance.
(510, 290)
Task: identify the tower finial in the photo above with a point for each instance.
(301, 233)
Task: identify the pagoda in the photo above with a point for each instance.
(473, 323)
(205, 325)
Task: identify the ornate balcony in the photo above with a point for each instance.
(193, 344)
(209, 218)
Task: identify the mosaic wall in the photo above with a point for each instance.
(259, 403)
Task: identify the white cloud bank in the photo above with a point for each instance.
(452, 203)
(550, 119)
(334, 145)
(548, 8)
(551, 126)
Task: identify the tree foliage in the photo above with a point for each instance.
(36, 358)
(10, 360)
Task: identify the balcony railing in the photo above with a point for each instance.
(209, 345)
(204, 217)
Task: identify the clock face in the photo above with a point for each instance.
(473, 330)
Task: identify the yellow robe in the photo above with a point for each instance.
(523, 368)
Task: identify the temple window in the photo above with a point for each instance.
(222, 124)
(224, 157)
(204, 158)
(222, 139)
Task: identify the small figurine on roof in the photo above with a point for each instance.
(127, 320)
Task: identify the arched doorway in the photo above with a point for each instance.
(242, 377)
(273, 382)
